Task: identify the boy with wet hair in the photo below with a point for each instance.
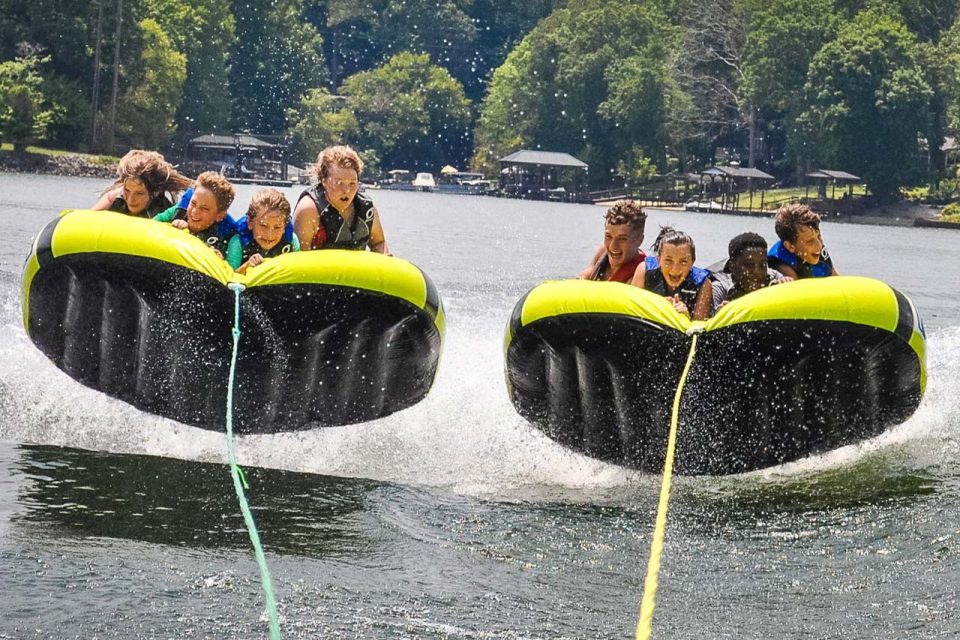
(265, 232)
(617, 260)
(745, 271)
(333, 214)
(800, 252)
(203, 211)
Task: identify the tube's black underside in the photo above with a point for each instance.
(758, 394)
(158, 336)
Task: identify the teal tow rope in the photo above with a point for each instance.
(240, 482)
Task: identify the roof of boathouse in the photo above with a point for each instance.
(215, 141)
(737, 172)
(830, 174)
(545, 158)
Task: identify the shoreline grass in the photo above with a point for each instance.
(43, 151)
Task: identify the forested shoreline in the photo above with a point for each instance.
(635, 89)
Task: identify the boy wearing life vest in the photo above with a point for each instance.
(204, 213)
(746, 270)
(618, 259)
(800, 252)
(332, 214)
(264, 233)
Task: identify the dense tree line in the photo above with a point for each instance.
(633, 87)
(257, 65)
(786, 85)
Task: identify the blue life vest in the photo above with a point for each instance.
(185, 199)
(779, 254)
(688, 289)
(251, 247)
(216, 235)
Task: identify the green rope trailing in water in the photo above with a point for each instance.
(240, 482)
(645, 624)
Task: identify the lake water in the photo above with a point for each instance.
(455, 518)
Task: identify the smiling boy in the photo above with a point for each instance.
(266, 231)
(622, 236)
(745, 271)
(205, 214)
(800, 252)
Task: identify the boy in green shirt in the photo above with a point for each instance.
(205, 213)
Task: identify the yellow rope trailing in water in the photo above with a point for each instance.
(645, 624)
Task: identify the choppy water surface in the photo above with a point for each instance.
(455, 519)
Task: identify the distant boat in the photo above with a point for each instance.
(399, 180)
(463, 183)
(703, 206)
(424, 182)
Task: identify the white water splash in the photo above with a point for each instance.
(465, 436)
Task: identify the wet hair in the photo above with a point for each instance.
(152, 169)
(340, 156)
(220, 187)
(669, 235)
(745, 242)
(627, 212)
(790, 217)
(266, 200)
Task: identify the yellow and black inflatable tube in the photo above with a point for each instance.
(779, 374)
(141, 311)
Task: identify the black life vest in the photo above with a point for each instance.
(216, 235)
(157, 205)
(688, 289)
(334, 232)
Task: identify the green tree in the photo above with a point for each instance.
(937, 70)
(591, 80)
(204, 31)
(276, 58)
(500, 26)
(319, 121)
(948, 51)
(469, 38)
(867, 102)
(783, 37)
(207, 94)
(72, 111)
(646, 102)
(61, 30)
(926, 19)
(414, 114)
(146, 111)
(24, 114)
(439, 28)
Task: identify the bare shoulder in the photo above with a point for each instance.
(305, 211)
(640, 276)
(107, 199)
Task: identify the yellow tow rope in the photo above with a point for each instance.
(645, 623)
